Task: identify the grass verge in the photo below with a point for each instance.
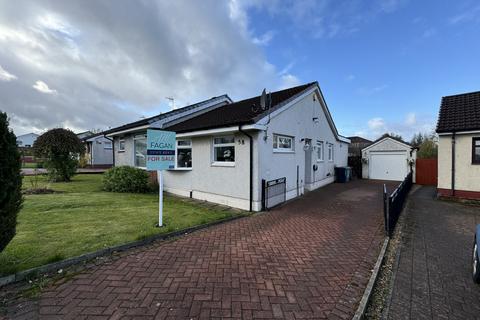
(82, 218)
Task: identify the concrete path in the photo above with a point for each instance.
(310, 258)
(433, 280)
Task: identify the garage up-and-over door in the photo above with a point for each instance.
(388, 166)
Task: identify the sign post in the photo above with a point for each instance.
(160, 156)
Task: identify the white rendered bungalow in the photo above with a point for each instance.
(130, 140)
(252, 154)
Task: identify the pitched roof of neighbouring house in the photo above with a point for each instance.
(460, 112)
(357, 139)
(93, 135)
(161, 116)
(247, 111)
(385, 136)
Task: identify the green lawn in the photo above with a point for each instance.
(83, 218)
(29, 165)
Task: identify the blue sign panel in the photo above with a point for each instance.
(160, 149)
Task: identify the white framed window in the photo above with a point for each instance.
(140, 150)
(320, 152)
(283, 143)
(184, 154)
(330, 152)
(224, 150)
(107, 145)
(121, 145)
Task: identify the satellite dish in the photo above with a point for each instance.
(263, 100)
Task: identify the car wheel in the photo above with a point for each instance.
(475, 263)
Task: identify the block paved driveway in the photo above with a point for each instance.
(433, 279)
(310, 258)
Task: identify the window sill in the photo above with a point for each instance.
(223, 164)
(283, 151)
(320, 160)
(121, 151)
(180, 169)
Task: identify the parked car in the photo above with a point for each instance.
(475, 260)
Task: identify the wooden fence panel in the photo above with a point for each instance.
(426, 172)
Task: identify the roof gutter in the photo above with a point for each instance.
(118, 133)
(221, 130)
(458, 132)
(251, 166)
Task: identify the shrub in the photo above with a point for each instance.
(83, 162)
(10, 182)
(126, 179)
(61, 149)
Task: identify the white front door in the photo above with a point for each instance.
(388, 166)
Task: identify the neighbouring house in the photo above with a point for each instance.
(458, 129)
(252, 154)
(388, 158)
(27, 140)
(355, 154)
(356, 145)
(98, 151)
(130, 140)
(84, 134)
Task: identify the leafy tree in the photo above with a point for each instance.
(428, 149)
(393, 135)
(10, 182)
(62, 150)
(396, 136)
(418, 139)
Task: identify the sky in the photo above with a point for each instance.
(382, 65)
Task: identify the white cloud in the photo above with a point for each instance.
(411, 124)
(471, 14)
(43, 87)
(289, 80)
(111, 67)
(6, 76)
(376, 124)
(411, 119)
(317, 19)
(264, 39)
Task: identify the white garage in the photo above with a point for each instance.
(388, 159)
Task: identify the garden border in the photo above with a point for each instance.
(47, 268)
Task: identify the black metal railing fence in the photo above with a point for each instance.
(394, 203)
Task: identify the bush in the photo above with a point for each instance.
(83, 162)
(126, 179)
(10, 182)
(61, 149)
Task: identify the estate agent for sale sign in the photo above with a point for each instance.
(160, 156)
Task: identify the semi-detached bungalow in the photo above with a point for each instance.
(130, 140)
(252, 154)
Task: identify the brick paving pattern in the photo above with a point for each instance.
(310, 258)
(433, 279)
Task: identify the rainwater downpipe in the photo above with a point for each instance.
(251, 166)
(453, 164)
